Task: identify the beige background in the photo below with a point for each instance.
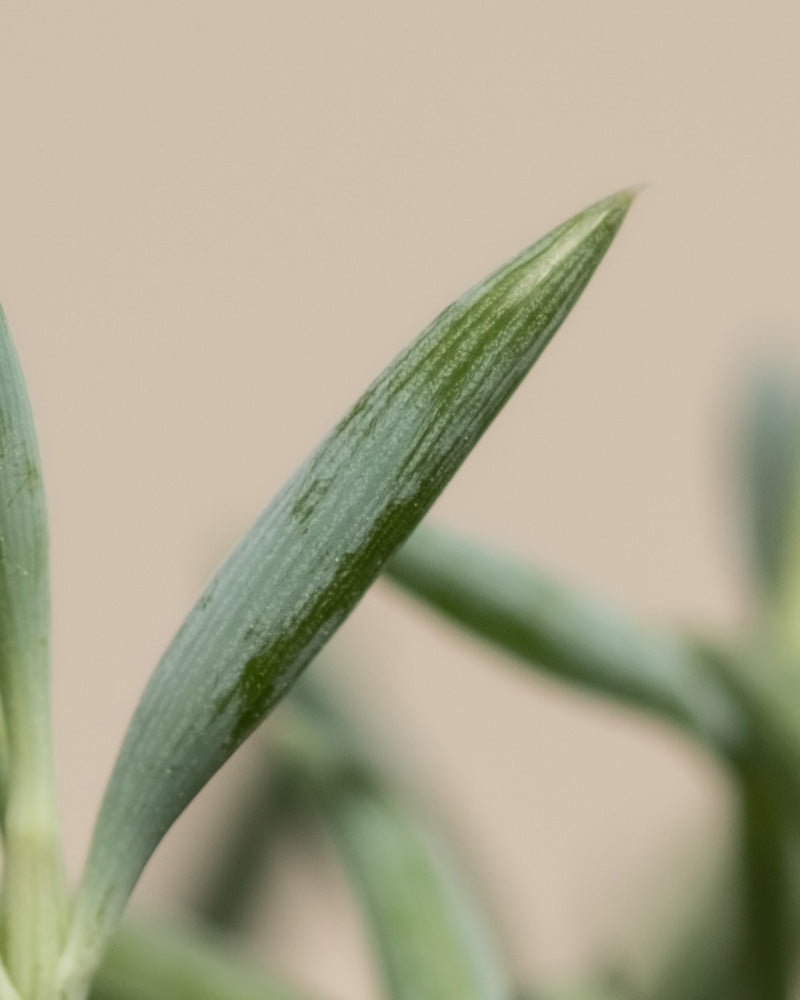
(219, 220)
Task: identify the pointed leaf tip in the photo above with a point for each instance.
(618, 203)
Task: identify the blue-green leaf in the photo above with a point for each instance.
(32, 911)
(557, 629)
(428, 934)
(318, 547)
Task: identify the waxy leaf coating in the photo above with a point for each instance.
(319, 545)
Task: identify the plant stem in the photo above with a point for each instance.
(769, 905)
(766, 684)
(34, 890)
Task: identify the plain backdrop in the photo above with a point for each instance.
(218, 221)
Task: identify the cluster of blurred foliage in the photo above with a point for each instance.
(348, 513)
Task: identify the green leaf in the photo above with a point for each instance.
(32, 909)
(151, 961)
(428, 934)
(318, 547)
(556, 629)
(770, 467)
